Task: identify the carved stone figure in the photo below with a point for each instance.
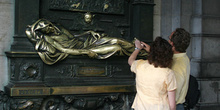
(54, 43)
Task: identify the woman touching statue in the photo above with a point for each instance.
(54, 43)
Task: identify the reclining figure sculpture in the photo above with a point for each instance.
(54, 43)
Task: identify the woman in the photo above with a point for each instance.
(155, 81)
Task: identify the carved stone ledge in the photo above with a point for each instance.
(78, 83)
(110, 101)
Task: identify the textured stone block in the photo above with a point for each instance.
(209, 91)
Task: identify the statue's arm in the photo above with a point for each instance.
(71, 51)
(82, 34)
(65, 31)
(94, 34)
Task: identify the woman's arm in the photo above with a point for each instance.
(133, 56)
(171, 98)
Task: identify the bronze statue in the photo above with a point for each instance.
(54, 43)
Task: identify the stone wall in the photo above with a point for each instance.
(202, 19)
(6, 34)
(205, 60)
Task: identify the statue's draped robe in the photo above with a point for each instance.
(46, 44)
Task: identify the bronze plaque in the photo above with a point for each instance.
(91, 71)
(30, 91)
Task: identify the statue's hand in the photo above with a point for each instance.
(92, 54)
(95, 35)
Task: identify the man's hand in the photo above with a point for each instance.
(146, 46)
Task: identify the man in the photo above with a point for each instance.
(179, 40)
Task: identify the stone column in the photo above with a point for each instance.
(6, 33)
(205, 62)
(142, 20)
(25, 12)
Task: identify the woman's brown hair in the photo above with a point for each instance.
(161, 53)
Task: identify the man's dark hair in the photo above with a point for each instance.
(180, 39)
(161, 53)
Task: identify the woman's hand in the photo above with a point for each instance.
(138, 44)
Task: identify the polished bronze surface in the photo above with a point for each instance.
(92, 89)
(92, 71)
(29, 91)
(42, 91)
(54, 43)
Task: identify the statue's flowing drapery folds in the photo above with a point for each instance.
(54, 43)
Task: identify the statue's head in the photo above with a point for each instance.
(46, 26)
